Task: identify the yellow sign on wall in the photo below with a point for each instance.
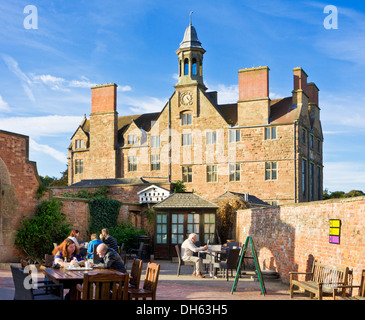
(335, 231)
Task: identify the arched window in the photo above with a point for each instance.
(194, 67)
(186, 66)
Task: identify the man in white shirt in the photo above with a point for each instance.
(188, 247)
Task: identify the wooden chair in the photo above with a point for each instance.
(96, 257)
(361, 293)
(181, 261)
(121, 248)
(101, 286)
(149, 286)
(48, 260)
(136, 272)
(40, 292)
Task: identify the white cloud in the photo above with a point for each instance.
(36, 147)
(36, 127)
(335, 113)
(226, 94)
(124, 88)
(4, 107)
(344, 176)
(144, 104)
(14, 68)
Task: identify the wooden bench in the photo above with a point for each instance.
(322, 280)
(361, 287)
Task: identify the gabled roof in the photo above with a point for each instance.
(251, 200)
(185, 200)
(151, 187)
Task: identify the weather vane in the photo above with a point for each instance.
(190, 16)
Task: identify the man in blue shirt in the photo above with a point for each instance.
(90, 249)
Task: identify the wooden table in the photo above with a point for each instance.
(70, 278)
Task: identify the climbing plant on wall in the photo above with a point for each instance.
(103, 214)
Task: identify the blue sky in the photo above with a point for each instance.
(46, 73)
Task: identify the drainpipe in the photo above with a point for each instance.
(169, 144)
(295, 163)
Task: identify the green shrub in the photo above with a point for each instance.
(36, 235)
(127, 233)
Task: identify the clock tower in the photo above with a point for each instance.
(190, 56)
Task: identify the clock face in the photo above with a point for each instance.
(186, 98)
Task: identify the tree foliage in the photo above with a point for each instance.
(226, 215)
(36, 235)
(178, 187)
(341, 194)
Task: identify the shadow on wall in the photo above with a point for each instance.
(275, 242)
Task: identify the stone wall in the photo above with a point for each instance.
(290, 237)
(19, 182)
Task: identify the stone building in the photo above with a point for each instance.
(271, 149)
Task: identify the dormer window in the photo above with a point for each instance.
(79, 144)
(132, 139)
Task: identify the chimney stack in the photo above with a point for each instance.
(104, 98)
(254, 102)
(313, 93)
(253, 83)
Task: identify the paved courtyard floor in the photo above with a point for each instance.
(187, 287)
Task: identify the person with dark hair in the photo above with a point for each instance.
(74, 235)
(108, 239)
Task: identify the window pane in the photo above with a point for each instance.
(181, 218)
(267, 133)
(174, 218)
(174, 238)
(180, 228)
(196, 228)
(273, 133)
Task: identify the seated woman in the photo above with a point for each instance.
(67, 249)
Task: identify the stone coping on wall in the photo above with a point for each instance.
(311, 203)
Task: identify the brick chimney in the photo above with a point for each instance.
(103, 132)
(300, 92)
(253, 83)
(104, 98)
(313, 104)
(313, 93)
(254, 102)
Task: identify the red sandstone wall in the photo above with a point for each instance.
(19, 181)
(288, 238)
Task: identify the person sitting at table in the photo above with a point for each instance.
(110, 259)
(73, 236)
(94, 242)
(108, 239)
(188, 248)
(67, 249)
